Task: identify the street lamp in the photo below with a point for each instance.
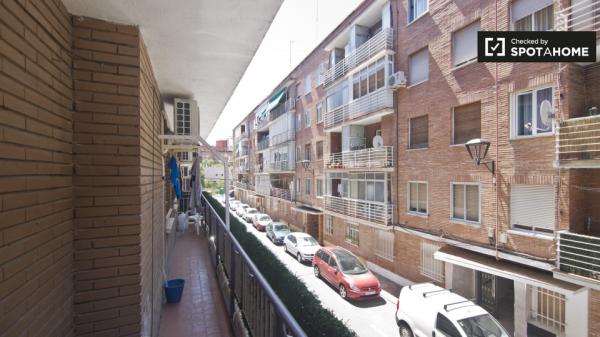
(478, 149)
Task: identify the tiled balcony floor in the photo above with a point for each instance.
(201, 311)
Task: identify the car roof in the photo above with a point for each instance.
(251, 208)
(261, 214)
(445, 301)
(301, 235)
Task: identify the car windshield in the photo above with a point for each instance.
(280, 228)
(482, 326)
(252, 211)
(307, 241)
(349, 263)
(264, 218)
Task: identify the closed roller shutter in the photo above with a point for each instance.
(532, 207)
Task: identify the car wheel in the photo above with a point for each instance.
(299, 257)
(405, 330)
(285, 247)
(316, 271)
(342, 291)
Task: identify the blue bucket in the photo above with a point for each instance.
(173, 290)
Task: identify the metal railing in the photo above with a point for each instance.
(263, 144)
(579, 254)
(582, 16)
(241, 152)
(244, 168)
(281, 109)
(380, 157)
(245, 289)
(380, 41)
(578, 139)
(281, 193)
(282, 137)
(378, 100)
(371, 211)
(280, 166)
(243, 185)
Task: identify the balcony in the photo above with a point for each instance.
(243, 185)
(379, 100)
(259, 168)
(278, 111)
(241, 152)
(281, 193)
(282, 137)
(578, 142)
(279, 166)
(381, 41)
(366, 210)
(263, 144)
(582, 16)
(381, 157)
(579, 255)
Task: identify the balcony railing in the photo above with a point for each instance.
(380, 157)
(259, 168)
(243, 185)
(243, 168)
(281, 193)
(241, 152)
(366, 210)
(375, 101)
(578, 139)
(382, 40)
(582, 16)
(245, 289)
(579, 254)
(263, 144)
(278, 111)
(279, 166)
(282, 137)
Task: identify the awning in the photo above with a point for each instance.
(276, 99)
(307, 209)
(503, 268)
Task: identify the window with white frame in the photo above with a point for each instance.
(532, 15)
(417, 197)
(298, 153)
(416, 8)
(464, 44)
(319, 187)
(532, 207)
(308, 152)
(307, 183)
(307, 84)
(527, 117)
(328, 225)
(369, 79)
(352, 233)
(547, 309)
(319, 113)
(298, 121)
(384, 244)
(430, 267)
(307, 118)
(418, 66)
(298, 93)
(465, 202)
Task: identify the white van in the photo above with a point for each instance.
(426, 310)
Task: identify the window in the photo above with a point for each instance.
(416, 8)
(532, 15)
(182, 156)
(430, 267)
(352, 233)
(298, 153)
(319, 187)
(418, 67)
(183, 116)
(307, 184)
(307, 119)
(369, 186)
(419, 132)
(319, 113)
(298, 121)
(298, 91)
(319, 150)
(417, 197)
(308, 152)
(466, 123)
(465, 202)
(464, 44)
(526, 112)
(445, 326)
(328, 225)
(369, 79)
(384, 245)
(532, 207)
(307, 84)
(547, 309)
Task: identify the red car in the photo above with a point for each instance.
(344, 271)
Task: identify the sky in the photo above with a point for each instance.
(298, 27)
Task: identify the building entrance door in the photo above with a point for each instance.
(497, 295)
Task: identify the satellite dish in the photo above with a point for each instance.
(377, 141)
(546, 113)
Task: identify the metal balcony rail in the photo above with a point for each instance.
(375, 101)
(281, 193)
(582, 16)
(245, 289)
(282, 137)
(279, 166)
(263, 144)
(244, 185)
(380, 41)
(282, 108)
(259, 168)
(366, 210)
(579, 254)
(578, 138)
(263, 189)
(380, 157)
(241, 152)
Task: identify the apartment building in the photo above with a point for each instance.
(402, 94)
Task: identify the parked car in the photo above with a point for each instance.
(240, 209)
(345, 272)
(301, 245)
(233, 204)
(429, 310)
(261, 221)
(276, 231)
(250, 213)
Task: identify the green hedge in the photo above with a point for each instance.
(314, 319)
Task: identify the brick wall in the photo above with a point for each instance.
(36, 209)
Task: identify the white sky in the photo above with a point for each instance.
(303, 22)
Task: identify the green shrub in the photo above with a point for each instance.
(308, 311)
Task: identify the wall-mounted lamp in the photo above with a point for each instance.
(478, 149)
(306, 164)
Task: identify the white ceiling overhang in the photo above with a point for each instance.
(199, 49)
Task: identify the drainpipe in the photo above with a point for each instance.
(497, 173)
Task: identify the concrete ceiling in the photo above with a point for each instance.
(199, 48)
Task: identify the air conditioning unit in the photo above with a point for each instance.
(397, 80)
(186, 117)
